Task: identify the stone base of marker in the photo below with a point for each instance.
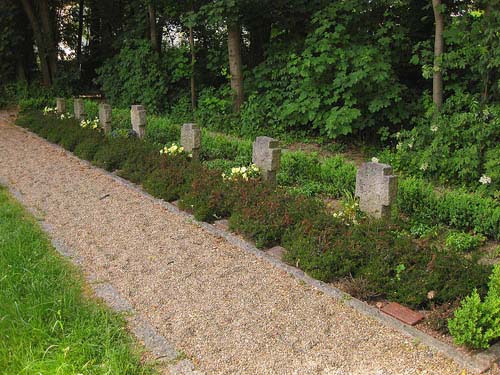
(222, 224)
(276, 252)
(61, 105)
(376, 188)
(138, 119)
(266, 155)
(191, 139)
(105, 117)
(79, 109)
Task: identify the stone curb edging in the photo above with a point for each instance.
(477, 362)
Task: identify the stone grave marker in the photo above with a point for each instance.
(79, 109)
(61, 105)
(191, 139)
(138, 119)
(266, 155)
(376, 188)
(105, 117)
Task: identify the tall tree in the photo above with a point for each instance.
(437, 77)
(153, 28)
(40, 42)
(193, 62)
(80, 34)
(235, 65)
(48, 28)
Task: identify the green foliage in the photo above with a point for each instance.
(461, 241)
(209, 197)
(161, 130)
(308, 174)
(172, 179)
(456, 147)
(384, 257)
(264, 214)
(214, 109)
(49, 325)
(219, 146)
(339, 175)
(455, 208)
(298, 167)
(477, 323)
(134, 76)
(113, 154)
(341, 81)
(88, 147)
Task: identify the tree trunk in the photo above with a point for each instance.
(235, 68)
(50, 43)
(153, 32)
(20, 71)
(80, 35)
(437, 77)
(193, 61)
(260, 35)
(37, 33)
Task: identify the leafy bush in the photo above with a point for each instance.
(339, 175)
(215, 109)
(383, 256)
(477, 323)
(113, 153)
(298, 167)
(456, 208)
(264, 214)
(209, 196)
(72, 138)
(133, 76)
(172, 179)
(141, 159)
(161, 130)
(461, 241)
(88, 147)
(456, 147)
(218, 146)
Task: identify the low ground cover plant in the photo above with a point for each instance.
(388, 259)
(48, 325)
(477, 322)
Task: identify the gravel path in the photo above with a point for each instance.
(228, 311)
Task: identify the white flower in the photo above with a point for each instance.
(399, 146)
(374, 160)
(410, 145)
(485, 180)
(244, 173)
(424, 166)
(434, 128)
(174, 149)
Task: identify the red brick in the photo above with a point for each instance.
(402, 313)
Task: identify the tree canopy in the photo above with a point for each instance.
(318, 67)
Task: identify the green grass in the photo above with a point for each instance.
(48, 324)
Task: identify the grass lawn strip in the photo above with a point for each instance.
(48, 324)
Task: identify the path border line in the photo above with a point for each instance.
(477, 361)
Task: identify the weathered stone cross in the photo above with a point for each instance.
(376, 188)
(105, 117)
(267, 156)
(191, 139)
(138, 119)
